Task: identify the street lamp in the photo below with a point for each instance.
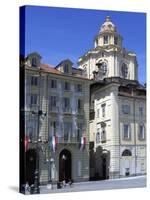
(38, 140)
(50, 162)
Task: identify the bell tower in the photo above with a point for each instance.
(109, 58)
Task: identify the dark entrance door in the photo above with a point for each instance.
(104, 168)
(65, 165)
(30, 166)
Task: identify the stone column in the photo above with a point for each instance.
(114, 148)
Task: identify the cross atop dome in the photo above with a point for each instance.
(108, 19)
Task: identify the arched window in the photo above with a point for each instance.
(124, 70)
(98, 136)
(84, 70)
(126, 153)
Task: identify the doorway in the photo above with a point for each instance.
(65, 165)
(30, 166)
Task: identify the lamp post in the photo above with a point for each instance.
(38, 141)
(50, 162)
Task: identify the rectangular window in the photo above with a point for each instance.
(141, 111)
(103, 110)
(106, 39)
(141, 132)
(125, 109)
(79, 105)
(103, 135)
(66, 86)
(34, 80)
(53, 128)
(67, 131)
(53, 83)
(34, 62)
(52, 102)
(66, 68)
(98, 136)
(126, 132)
(78, 88)
(66, 104)
(33, 99)
(79, 131)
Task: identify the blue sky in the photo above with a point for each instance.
(60, 33)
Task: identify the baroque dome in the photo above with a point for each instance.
(108, 26)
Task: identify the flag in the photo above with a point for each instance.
(82, 142)
(53, 142)
(26, 143)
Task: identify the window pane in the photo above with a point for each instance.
(126, 132)
(125, 109)
(53, 84)
(105, 39)
(124, 70)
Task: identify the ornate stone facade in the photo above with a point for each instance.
(118, 107)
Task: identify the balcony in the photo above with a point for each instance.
(67, 110)
(67, 140)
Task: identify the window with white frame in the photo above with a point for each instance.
(79, 131)
(103, 107)
(106, 39)
(53, 128)
(78, 88)
(67, 131)
(98, 113)
(53, 102)
(126, 109)
(33, 99)
(103, 134)
(126, 132)
(34, 80)
(53, 83)
(124, 70)
(141, 134)
(34, 62)
(66, 86)
(66, 68)
(79, 105)
(66, 104)
(141, 111)
(98, 136)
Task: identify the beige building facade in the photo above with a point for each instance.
(61, 95)
(117, 107)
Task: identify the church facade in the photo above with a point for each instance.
(117, 107)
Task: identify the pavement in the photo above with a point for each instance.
(122, 183)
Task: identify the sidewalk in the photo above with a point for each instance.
(122, 183)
